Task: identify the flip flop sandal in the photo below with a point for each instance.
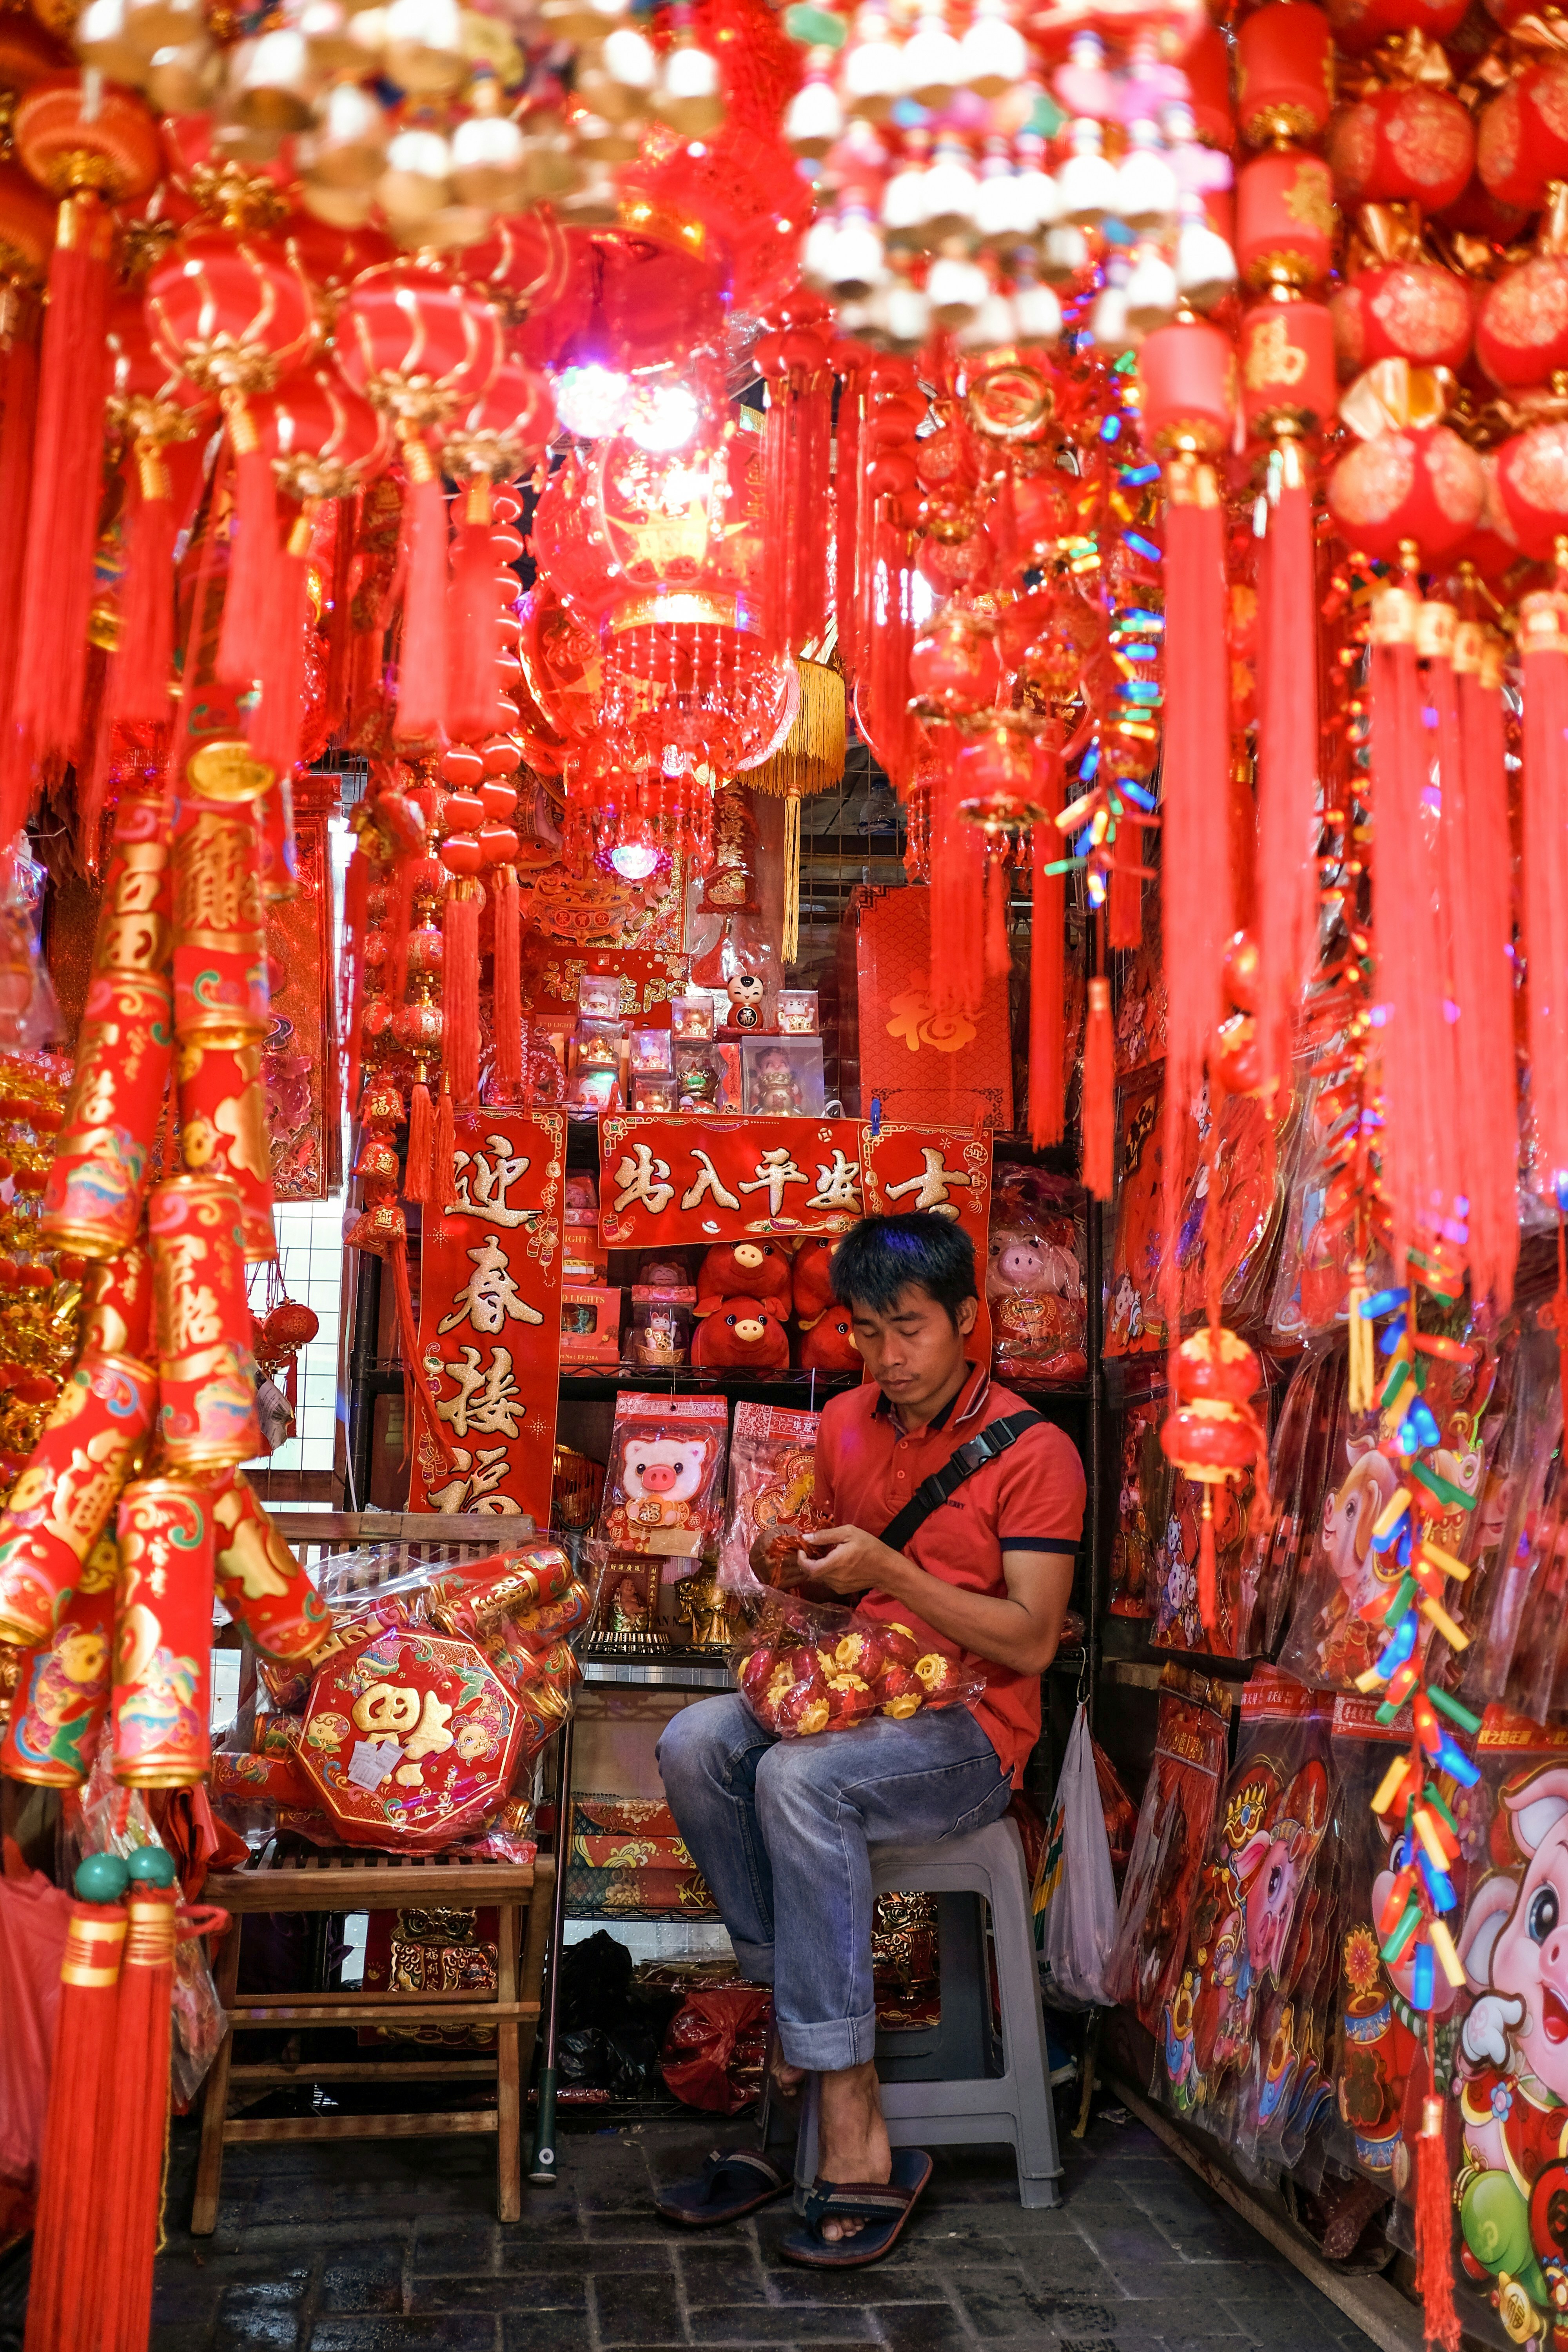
(884, 2205)
(727, 2187)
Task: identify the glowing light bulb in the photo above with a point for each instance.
(591, 400)
(662, 416)
(633, 860)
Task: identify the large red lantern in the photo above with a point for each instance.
(1284, 72)
(1407, 144)
(1406, 310)
(1521, 138)
(1522, 328)
(1532, 483)
(1421, 485)
(417, 344)
(1285, 220)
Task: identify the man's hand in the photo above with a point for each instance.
(846, 1560)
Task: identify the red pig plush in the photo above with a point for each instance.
(813, 1282)
(741, 1335)
(829, 1345)
(758, 1270)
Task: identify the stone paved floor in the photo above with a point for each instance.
(383, 2247)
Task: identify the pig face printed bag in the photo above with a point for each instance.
(1511, 2057)
(1169, 1842)
(664, 1481)
(1270, 1822)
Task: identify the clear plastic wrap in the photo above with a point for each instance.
(773, 1476)
(1169, 1842)
(806, 1666)
(1035, 1278)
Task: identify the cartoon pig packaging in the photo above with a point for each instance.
(664, 1484)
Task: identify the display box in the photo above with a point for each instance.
(590, 1325)
(599, 996)
(783, 1076)
(796, 1009)
(708, 1077)
(659, 1331)
(655, 1090)
(650, 1053)
(590, 1092)
(690, 1017)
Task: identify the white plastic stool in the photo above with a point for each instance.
(1015, 2105)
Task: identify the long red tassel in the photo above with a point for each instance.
(63, 2303)
(999, 954)
(1208, 1567)
(795, 462)
(473, 692)
(1124, 899)
(1098, 1093)
(275, 723)
(1421, 1109)
(16, 435)
(1543, 642)
(1287, 925)
(351, 970)
(1475, 857)
(132, 2177)
(460, 992)
(339, 625)
(957, 895)
(418, 1394)
(1048, 993)
(422, 658)
(508, 989)
(1196, 913)
(418, 1174)
(62, 519)
(1435, 2219)
(143, 659)
(445, 1148)
(848, 470)
(252, 601)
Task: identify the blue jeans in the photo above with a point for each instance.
(780, 1829)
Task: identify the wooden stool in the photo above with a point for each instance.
(349, 1882)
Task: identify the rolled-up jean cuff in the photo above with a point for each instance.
(755, 1961)
(827, 2049)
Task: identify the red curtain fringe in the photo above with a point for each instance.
(473, 690)
(422, 655)
(62, 518)
(1288, 763)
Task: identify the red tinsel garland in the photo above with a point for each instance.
(1543, 867)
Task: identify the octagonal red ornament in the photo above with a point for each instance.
(411, 1741)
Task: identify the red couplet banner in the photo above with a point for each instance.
(490, 1318)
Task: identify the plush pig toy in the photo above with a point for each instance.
(829, 1345)
(740, 1335)
(813, 1282)
(758, 1270)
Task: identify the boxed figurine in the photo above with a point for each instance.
(783, 1076)
(659, 1332)
(655, 1090)
(708, 1077)
(590, 1325)
(796, 1009)
(599, 996)
(650, 1053)
(690, 1017)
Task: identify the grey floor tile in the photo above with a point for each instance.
(368, 2279)
(801, 2324)
(636, 2309)
(449, 2332)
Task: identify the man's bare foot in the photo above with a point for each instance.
(786, 2079)
(852, 2138)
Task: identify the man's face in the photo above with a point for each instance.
(914, 1351)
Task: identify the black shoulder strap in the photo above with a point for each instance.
(932, 1492)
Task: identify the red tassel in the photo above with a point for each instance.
(17, 432)
(422, 659)
(418, 1174)
(473, 692)
(275, 726)
(62, 519)
(795, 467)
(1420, 1094)
(1195, 916)
(848, 470)
(1434, 2228)
(253, 598)
(957, 894)
(418, 1397)
(1543, 867)
(1475, 857)
(351, 969)
(1287, 764)
(63, 2302)
(887, 636)
(339, 625)
(460, 992)
(143, 659)
(998, 955)
(507, 991)
(1048, 994)
(1124, 903)
(1208, 1568)
(446, 1150)
(132, 2174)
(1098, 1093)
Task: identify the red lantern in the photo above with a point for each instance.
(1285, 220)
(1360, 24)
(1521, 329)
(1284, 72)
(1423, 485)
(524, 264)
(1409, 309)
(1188, 377)
(1407, 144)
(1522, 139)
(1207, 68)
(1532, 481)
(955, 669)
(322, 438)
(1286, 360)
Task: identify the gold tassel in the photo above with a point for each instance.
(789, 948)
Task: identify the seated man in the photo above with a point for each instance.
(780, 1829)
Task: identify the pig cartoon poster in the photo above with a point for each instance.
(664, 1484)
(1270, 1824)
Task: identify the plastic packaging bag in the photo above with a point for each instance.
(1079, 1890)
(1170, 1842)
(718, 2025)
(773, 1471)
(806, 1666)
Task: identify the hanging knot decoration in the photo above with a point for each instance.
(1212, 1434)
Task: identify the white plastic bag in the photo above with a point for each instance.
(1078, 1893)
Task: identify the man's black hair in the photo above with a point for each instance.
(881, 1257)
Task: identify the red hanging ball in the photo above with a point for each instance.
(1424, 485)
(1408, 145)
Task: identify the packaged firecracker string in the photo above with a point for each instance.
(806, 1666)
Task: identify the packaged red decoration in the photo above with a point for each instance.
(411, 1741)
(664, 1483)
(806, 1666)
(772, 1476)
(1169, 1842)
(1142, 1493)
(1034, 1280)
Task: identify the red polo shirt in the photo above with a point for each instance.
(1030, 1498)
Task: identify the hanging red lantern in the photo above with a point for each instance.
(1521, 138)
(1522, 328)
(1284, 72)
(1360, 24)
(1407, 144)
(1410, 481)
(1532, 482)
(1285, 220)
(1406, 310)
(416, 343)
